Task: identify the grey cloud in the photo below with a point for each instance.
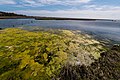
(2, 2)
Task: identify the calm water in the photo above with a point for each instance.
(109, 30)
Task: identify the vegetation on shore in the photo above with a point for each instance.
(7, 15)
(41, 55)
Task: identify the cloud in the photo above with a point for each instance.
(103, 7)
(53, 2)
(2, 2)
(100, 14)
(29, 1)
(77, 11)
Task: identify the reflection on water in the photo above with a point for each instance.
(104, 29)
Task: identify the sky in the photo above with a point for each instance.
(101, 9)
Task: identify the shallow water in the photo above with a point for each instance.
(109, 30)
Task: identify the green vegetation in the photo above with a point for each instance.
(40, 55)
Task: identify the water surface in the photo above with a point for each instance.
(109, 30)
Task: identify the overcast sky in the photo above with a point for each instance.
(107, 9)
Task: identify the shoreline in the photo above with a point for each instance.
(51, 18)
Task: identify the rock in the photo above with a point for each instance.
(105, 68)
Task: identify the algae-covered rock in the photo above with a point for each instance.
(107, 67)
(40, 55)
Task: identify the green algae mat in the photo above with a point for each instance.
(40, 55)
